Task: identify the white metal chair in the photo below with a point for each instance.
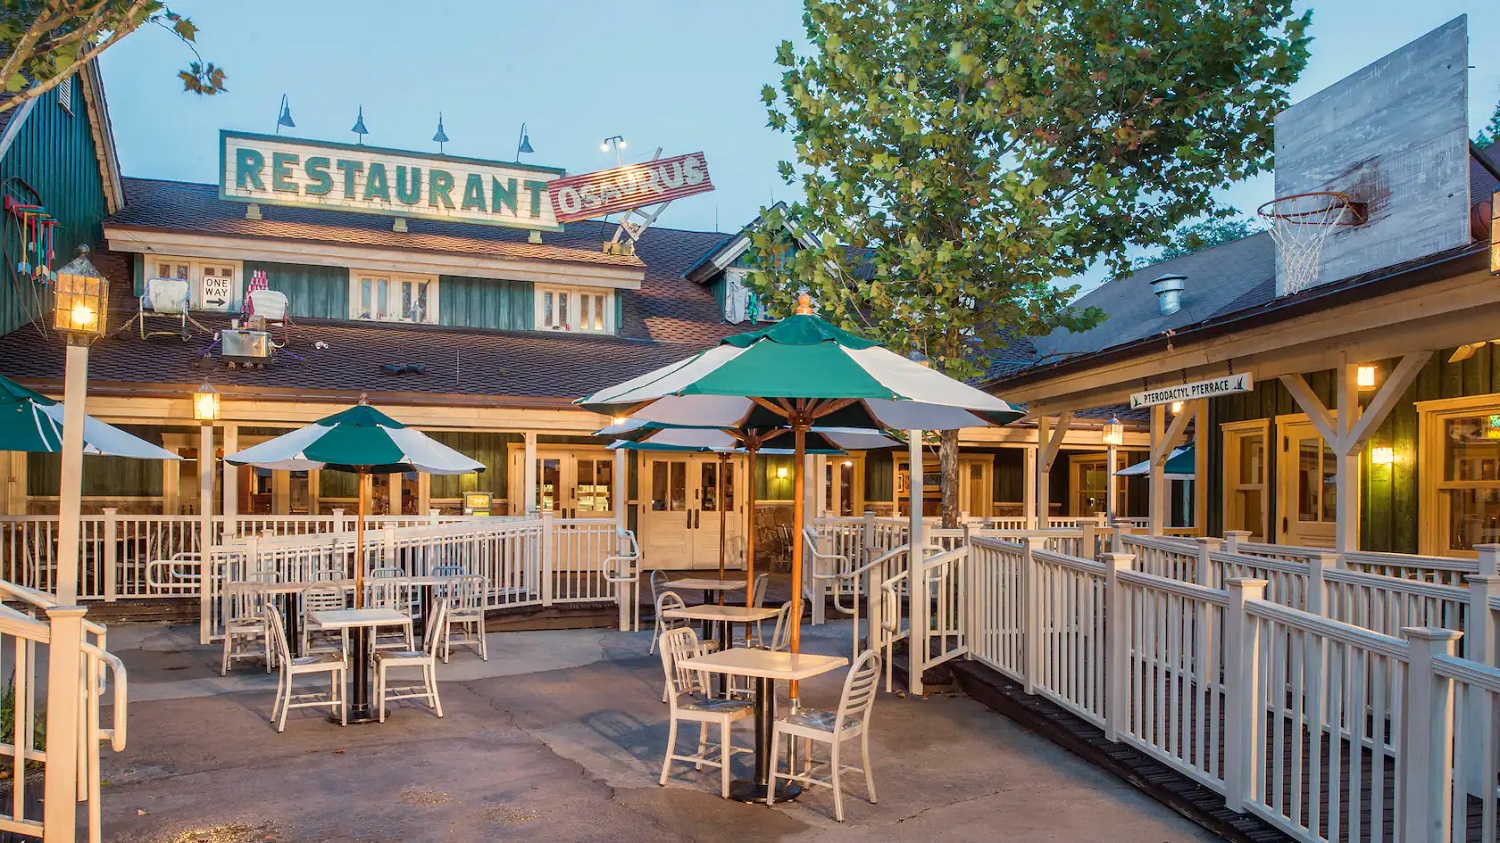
(465, 597)
(286, 696)
(757, 600)
(664, 601)
(690, 703)
(851, 720)
(390, 593)
(424, 659)
(658, 585)
(315, 640)
(164, 298)
(245, 627)
(271, 306)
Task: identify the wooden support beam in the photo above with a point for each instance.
(1385, 398)
(1157, 501)
(1200, 467)
(1049, 444)
(1321, 419)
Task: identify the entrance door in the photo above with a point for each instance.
(1307, 497)
(680, 521)
(1090, 484)
(568, 484)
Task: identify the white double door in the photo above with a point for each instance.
(569, 484)
(681, 510)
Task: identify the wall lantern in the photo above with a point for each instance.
(1382, 455)
(1114, 432)
(82, 295)
(1176, 407)
(206, 403)
(1365, 378)
(781, 472)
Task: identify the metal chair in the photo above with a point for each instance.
(851, 720)
(286, 696)
(245, 624)
(323, 598)
(164, 298)
(465, 598)
(689, 700)
(757, 600)
(424, 659)
(388, 592)
(271, 306)
(658, 585)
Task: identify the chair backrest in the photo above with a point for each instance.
(166, 295)
(276, 628)
(386, 573)
(437, 619)
(268, 304)
(669, 600)
(758, 595)
(386, 592)
(679, 645)
(466, 592)
(658, 579)
(860, 687)
(245, 601)
(448, 570)
(781, 639)
(321, 598)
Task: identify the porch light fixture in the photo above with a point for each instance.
(1176, 407)
(1382, 455)
(206, 404)
(82, 295)
(1114, 432)
(848, 463)
(780, 472)
(1365, 377)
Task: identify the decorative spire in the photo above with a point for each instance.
(804, 305)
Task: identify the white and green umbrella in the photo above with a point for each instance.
(361, 440)
(32, 422)
(800, 372)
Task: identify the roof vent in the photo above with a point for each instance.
(1168, 290)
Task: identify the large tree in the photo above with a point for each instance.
(958, 158)
(44, 42)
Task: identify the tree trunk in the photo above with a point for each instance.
(948, 467)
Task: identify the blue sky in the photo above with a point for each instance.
(681, 75)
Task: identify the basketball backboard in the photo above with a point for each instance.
(1394, 135)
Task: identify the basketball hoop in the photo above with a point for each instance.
(1300, 224)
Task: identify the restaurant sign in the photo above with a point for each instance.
(1227, 385)
(632, 186)
(273, 170)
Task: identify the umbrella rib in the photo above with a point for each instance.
(832, 406)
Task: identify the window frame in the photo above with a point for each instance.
(1432, 535)
(1230, 434)
(195, 277)
(575, 295)
(395, 279)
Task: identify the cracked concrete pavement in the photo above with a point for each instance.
(559, 736)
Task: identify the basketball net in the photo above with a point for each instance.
(1300, 225)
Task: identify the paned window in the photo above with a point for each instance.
(582, 309)
(386, 297)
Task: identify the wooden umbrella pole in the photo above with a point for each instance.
(359, 541)
(799, 437)
(723, 519)
(751, 447)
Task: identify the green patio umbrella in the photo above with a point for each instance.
(32, 422)
(1181, 465)
(800, 372)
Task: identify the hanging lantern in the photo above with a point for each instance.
(82, 295)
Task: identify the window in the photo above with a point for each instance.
(219, 278)
(389, 297)
(1461, 498)
(740, 304)
(585, 309)
(1245, 487)
(65, 94)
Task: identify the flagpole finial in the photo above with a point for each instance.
(364, 400)
(804, 305)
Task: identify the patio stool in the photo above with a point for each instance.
(424, 659)
(690, 703)
(286, 697)
(851, 720)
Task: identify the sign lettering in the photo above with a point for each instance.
(632, 186)
(218, 293)
(1227, 385)
(273, 170)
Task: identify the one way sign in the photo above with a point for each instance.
(218, 293)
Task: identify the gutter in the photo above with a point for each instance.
(326, 396)
(1451, 264)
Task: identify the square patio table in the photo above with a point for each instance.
(722, 617)
(765, 667)
(707, 585)
(361, 621)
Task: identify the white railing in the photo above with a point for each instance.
(59, 676)
(1065, 629)
(944, 612)
(1159, 556)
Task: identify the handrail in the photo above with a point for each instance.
(121, 697)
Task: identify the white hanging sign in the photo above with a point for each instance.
(1227, 385)
(218, 293)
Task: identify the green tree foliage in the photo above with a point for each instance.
(1490, 134)
(46, 41)
(970, 153)
(1195, 237)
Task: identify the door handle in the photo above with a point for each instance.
(1284, 526)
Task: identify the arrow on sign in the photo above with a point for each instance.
(215, 302)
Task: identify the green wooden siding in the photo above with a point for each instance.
(488, 448)
(1388, 495)
(52, 161)
(880, 475)
(314, 292)
(112, 477)
(486, 303)
(717, 286)
(768, 487)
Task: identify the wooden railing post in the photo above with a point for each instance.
(338, 520)
(548, 540)
(1204, 575)
(1088, 542)
(112, 554)
(918, 607)
(64, 722)
(1118, 543)
(389, 558)
(1244, 698)
(1479, 646)
(1116, 646)
(1234, 538)
(1427, 739)
(1317, 587)
(432, 516)
(1031, 614)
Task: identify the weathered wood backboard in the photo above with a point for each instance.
(1395, 135)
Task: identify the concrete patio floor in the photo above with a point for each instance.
(559, 737)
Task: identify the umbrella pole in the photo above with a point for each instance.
(751, 447)
(359, 542)
(723, 521)
(799, 437)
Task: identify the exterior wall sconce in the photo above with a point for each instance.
(1382, 455)
(781, 472)
(1365, 378)
(1176, 407)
